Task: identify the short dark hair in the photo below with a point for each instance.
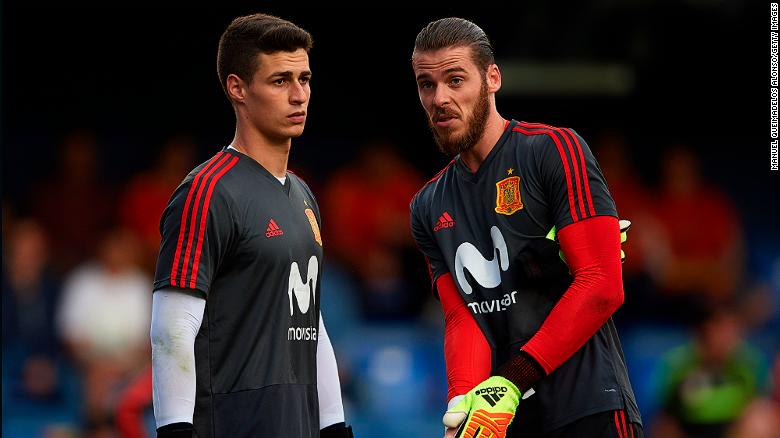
(454, 32)
(249, 35)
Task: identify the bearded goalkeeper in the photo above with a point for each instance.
(530, 346)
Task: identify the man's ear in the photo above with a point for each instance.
(493, 77)
(236, 88)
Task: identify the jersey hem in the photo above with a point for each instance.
(549, 427)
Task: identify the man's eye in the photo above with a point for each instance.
(456, 81)
(305, 79)
(425, 85)
(279, 81)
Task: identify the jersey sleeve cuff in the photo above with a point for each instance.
(522, 370)
(201, 289)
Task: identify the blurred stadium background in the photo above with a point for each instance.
(104, 110)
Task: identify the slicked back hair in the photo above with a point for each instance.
(456, 32)
(249, 35)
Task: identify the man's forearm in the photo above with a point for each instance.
(328, 385)
(592, 250)
(466, 351)
(176, 319)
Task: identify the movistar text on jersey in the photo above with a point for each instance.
(494, 305)
(302, 334)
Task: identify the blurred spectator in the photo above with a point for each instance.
(134, 402)
(146, 195)
(708, 384)
(74, 205)
(104, 319)
(366, 212)
(634, 202)
(30, 294)
(701, 256)
(762, 418)
(633, 199)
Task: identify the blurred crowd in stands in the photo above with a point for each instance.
(700, 331)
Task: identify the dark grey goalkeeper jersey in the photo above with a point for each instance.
(488, 229)
(252, 247)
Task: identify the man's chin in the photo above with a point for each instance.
(451, 146)
(295, 131)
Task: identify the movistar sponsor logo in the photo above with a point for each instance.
(494, 305)
(301, 294)
(303, 291)
(302, 334)
(487, 273)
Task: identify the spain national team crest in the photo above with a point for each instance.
(508, 196)
(314, 227)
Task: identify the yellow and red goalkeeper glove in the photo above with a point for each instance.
(486, 411)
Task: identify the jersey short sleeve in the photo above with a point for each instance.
(421, 232)
(571, 178)
(196, 228)
(312, 203)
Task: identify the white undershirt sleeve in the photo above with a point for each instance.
(328, 385)
(176, 318)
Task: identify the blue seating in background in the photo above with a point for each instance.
(25, 417)
(398, 384)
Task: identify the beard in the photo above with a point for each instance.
(452, 145)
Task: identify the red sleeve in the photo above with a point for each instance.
(592, 250)
(466, 351)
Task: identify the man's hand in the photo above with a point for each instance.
(486, 411)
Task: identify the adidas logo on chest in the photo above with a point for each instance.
(273, 230)
(445, 221)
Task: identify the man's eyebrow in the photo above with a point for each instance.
(456, 70)
(282, 74)
(288, 74)
(425, 75)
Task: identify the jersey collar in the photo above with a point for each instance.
(470, 176)
(262, 170)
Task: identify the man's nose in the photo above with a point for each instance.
(441, 96)
(298, 93)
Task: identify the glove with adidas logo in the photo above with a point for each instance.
(486, 411)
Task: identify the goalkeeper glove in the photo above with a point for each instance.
(625, 224)
(486, 411)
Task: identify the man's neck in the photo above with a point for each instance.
(272, 155)
(494, 128)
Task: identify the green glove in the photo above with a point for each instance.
(625, 224)
(486, 411)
